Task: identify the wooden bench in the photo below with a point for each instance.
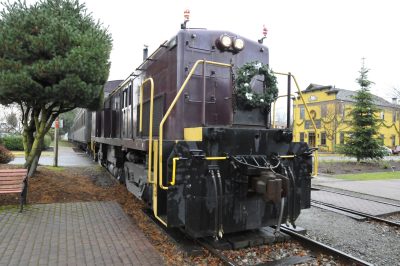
(14, 181)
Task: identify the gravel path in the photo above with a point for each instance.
(370, 241)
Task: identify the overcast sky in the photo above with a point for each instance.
(318, 41)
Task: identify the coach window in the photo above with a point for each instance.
(125, 97)
(130, 95)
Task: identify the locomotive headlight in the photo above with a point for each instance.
(238, 44)
(225, 41)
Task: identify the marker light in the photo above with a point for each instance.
(265, 31)
(186, 14)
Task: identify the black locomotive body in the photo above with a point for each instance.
(199, 161)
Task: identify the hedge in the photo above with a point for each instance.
(15, 142)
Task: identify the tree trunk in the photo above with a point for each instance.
(27, 139)
(34, 165)
(33, 159)
(37, 123)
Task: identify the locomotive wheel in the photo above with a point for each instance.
(121, 175)
(99, 159)
(127, 176)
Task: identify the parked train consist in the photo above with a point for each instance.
(201, 155)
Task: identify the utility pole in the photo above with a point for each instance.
(56, 126)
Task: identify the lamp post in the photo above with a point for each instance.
(56, 126)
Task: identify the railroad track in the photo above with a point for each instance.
(352, 195)
(321, 246)
(362, 214)
(291, 260)
(313, 244)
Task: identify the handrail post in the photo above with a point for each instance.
(167, 113)
(288, 100)
(309, 115)
(204, 95)
(150, 122)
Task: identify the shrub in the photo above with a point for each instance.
(13, 142)
(5, 155)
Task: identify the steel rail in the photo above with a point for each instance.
(349, 195)
(362, 214)
(324, 247)
(215, 252)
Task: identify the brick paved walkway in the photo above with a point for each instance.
(87, 233)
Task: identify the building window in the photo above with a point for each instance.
(341, 138)
(393, 140)
(323, 138)
(308, 124)
(301, 136)
(382, 115)
(382, 137)
(342, 108)
(394, 117)
(301, 112)
(324, 110)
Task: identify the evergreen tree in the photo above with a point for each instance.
(53, 58)
(362, 141)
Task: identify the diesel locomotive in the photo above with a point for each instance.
(189, 133)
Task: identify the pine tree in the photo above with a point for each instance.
(53, 58)
(362, 141)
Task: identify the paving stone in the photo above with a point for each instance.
(85, 233)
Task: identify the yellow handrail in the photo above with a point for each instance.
(160, 137)
(175, 159)
(309, 115)
(273, 110)
(150, 122)
(155, 192)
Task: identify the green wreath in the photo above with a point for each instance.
(246, 98)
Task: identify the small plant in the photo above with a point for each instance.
(385, 165)
(5, 155)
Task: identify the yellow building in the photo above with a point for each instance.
(330, 108)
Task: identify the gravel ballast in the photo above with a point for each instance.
(373, 242)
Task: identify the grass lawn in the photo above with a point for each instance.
(63, 143)
(56, 169)
(21, 153)
(370, 176)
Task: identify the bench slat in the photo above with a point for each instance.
(21, 177)
(13, 181)
(12, 173)
(11, 191)
(11, 185)
(13, 170)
